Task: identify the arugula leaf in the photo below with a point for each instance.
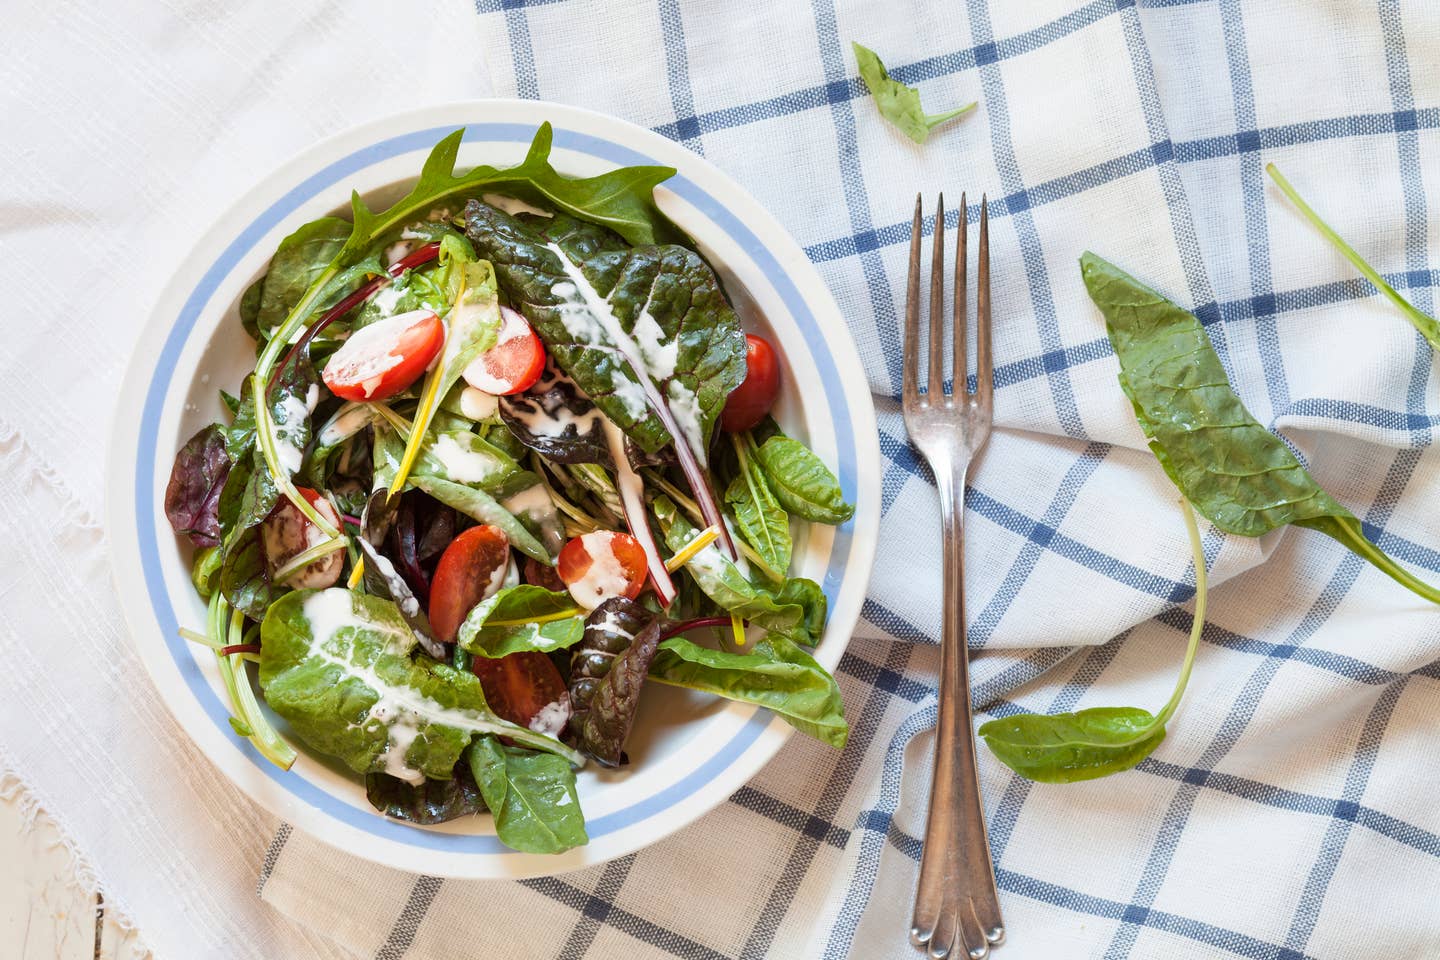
(532, 795)
(898, 103)
(1420, 320)
(1239, 475)
(800, 480)
(298, 261)
(776, 674)
(337, 666)
(1099, 741)
(430, 802)
(521, 618)
(197, 479)
(758, 515)
(607, 672)
(646, 333)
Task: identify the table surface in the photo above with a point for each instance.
(43, 908)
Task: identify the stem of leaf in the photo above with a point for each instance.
(307, 557)
(1356, 541)
(692, 510)
(265, 434)
(1197, 625)
(1423, 322)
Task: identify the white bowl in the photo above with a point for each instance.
(688, 752)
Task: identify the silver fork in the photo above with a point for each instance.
(956, 901)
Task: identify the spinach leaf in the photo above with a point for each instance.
(898, 103)
(1099, 741)
(520, 618)
(245, 573)
(481, 506)
(775, 673)
(646, 333)
(1239, 475)
(250, 311)
(192, 497)
(298, 261)
(337, 666)
(461, 457)
(430, 802)
(607, 672)
(760, 518)
(801, 482)
(723, 582)
(1420, 320)
(532, 796)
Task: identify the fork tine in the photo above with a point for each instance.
(984, 365)
(937, 306)
(910, 390)
(960, 304)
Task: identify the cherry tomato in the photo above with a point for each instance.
(380, 360)
(514, 363)
(542, 575)
(287, 533)
(749, 402)
(472, 568)
(525, 688)
(601, 565)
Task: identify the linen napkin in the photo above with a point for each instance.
(1294, 783)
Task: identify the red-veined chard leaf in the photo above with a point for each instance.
(429, 802)
(192, 497)
(607, 672)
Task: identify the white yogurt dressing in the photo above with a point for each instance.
(632, 494)
(397, 251)
(611, 624)
(552, 718)
(477, 404)
(386, 300)
(365, 357)
(587, 317)
(532, 501)
(630, 394)
(514, 205)
(402, 709)
(658, 355)
(462, 463)
(348, 421)
(290, 418)
(410, 606)
(605, 578)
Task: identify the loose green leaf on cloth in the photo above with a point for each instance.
(1239, 475)
(896, 102)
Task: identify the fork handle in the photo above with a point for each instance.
(957, 846)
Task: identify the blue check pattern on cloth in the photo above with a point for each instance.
(1290, 812)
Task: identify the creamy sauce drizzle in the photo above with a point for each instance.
(462, 463)
(513, 205)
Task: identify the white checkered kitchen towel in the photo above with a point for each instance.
(1290, 812)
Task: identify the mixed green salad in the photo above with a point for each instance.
(504, 460)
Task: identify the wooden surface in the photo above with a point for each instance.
(44, 913)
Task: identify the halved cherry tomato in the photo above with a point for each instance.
(601, 565)
(514, 363)
(542, 575)
(749, 402)
(287, 533)
(472, 568)
(525, 688)
(380, 360)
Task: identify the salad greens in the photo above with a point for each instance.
(1239, 475)
(445, 516)
(1098, 741)
(898, 103)
(1421, 320)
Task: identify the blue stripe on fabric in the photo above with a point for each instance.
(1067, 411)
(522, 51)
(1257, 225)
(677, 73)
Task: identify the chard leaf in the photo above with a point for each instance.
(1239, 475)
(532, 795)
(481, 506)
(761, 520)
(298, 261)
(384, 581)
(607, 672)
(644, 332)
(197, 479)
(1420, 320)
(245, 573)
(801, 482)
(337, 666)
(794, 611)
(431, 802)
(522, 618)
(556, 420)
(896, 102)
(776, 674)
